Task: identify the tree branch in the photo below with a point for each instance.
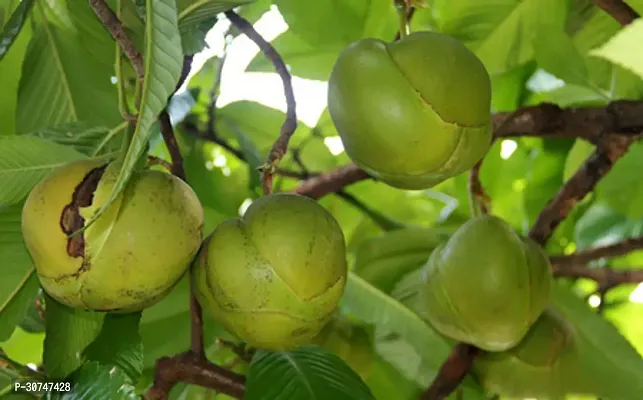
(116, 29)
(196, 371)
(452, 372)
(605, 277)
(289, 126)
(585, 256)
(331, 181)
(619, 10)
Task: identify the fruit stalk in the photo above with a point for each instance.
(402, 14)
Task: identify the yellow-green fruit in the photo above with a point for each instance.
(486, 285)
(541, 365)
(131, 257)
(275, 276)
(414, 112)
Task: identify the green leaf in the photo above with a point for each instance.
(94, 381)
(83, 137)
(10, 73)
(576, 157)
(616, 370)
(369, 305)
(67, 70)
(306, 373)
(68, 332)
(19, 283)
(192, 13)
(163, 65)
(25, 160)
(11, 29)
(619, 49)
(119, 344)
(620, 188)
(252, 155)
(551, 46)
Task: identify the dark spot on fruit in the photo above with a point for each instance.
(70, 219)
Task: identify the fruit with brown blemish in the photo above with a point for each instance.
(275, 276)
(133, 254)
(414, 112)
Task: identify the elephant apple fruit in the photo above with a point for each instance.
(414, 112)
(486, 285)
(273, 277)
(131, 256)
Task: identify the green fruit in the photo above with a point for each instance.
(541, 365)
(275, 276)
(486, 285)
(414, 112)
(131, 257)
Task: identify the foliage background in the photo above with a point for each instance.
(57, 78)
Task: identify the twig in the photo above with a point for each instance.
(619, 10)
(578, 186)
(585, 256)
(331, 181)
(289, 126)
(172, 146)
(196, 371)
(605, 277)
(153, 160)
(452, 372)
(479, 198)
(116, 29)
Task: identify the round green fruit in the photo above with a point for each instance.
(486, 285)
(131, 256)
(414, 112)
(275, 276)
(541, 365)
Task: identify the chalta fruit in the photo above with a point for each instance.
(412, 113)
(275, 276)
(541, 365)
(131, 256)
(486, 285)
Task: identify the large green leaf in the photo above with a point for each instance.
(67, 69)
(619, 49)
(620, 188)
(10, 72)
(552, 45)
(25, 160)
(163, 65)
(319, 30)
(391, 318)
(12, 27)
(19, 282)
(85, 138)
(303, 374)
(119, 344)
(69, 332)
(94, 381)
(615, 371)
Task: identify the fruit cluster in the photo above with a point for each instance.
(412, 113)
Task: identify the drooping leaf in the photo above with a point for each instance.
(163, 65)
(19, 283)
(67, 69)
(94, 381)
(119, 344)
(619, 49)
(193, 12)
(69, 332)
(309, 372)
(12, 27)
(25, 160)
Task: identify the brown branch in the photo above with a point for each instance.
(289, 126)
(605, 277)
(196, 371)
(587, 255)
(331, 181)
(619, 10)
(116, 29)
(172, 146)
(578, 186)
(479, 196)
(452, 372)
